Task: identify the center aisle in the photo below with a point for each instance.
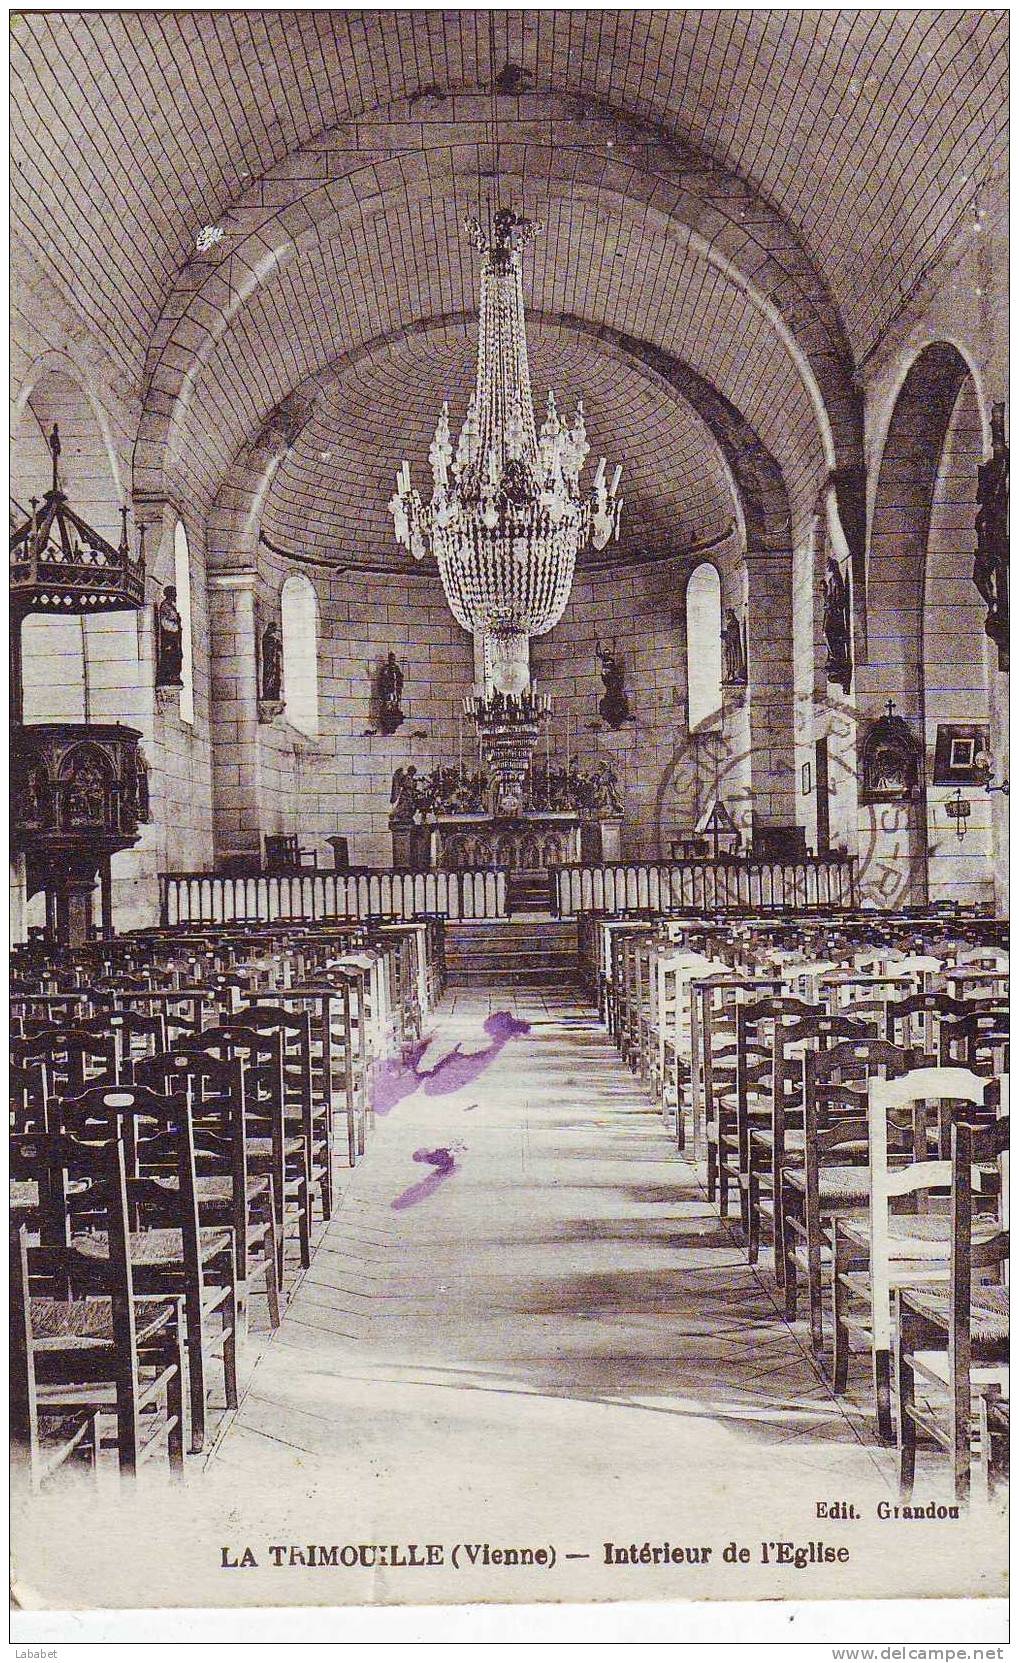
(525, 1315)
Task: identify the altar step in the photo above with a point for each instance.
(527, 892)
(512, 952)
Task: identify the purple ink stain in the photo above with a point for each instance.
(444, 1166)
(397, 1079)
(456, 1070)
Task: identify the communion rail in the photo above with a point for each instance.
(737, 884)
(312, 897)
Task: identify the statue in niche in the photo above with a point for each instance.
(614, 706)
(990, 564)
(890, 761)
(838, 626)
(403, 797)
(169, 641)
(143, 799)
(734, 650)
(390, 691)
(272, 664)
(36, 797)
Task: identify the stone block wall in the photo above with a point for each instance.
(665, 773)
(271, 778)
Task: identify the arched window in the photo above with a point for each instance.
(703, 645)
(182, 580)
(299, 605)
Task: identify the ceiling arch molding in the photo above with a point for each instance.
(904, 494)
(173, 391)
(757, 493)
(631, 157)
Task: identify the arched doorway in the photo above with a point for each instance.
(928, 658)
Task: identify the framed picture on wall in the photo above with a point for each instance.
(960, 753)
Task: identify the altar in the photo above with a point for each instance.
(528, 842)
(514, 814)
(533, 841)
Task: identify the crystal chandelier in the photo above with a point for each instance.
(506, 518)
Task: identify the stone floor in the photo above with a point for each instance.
(525, 1297)
(524, 1325)
(554, 1244)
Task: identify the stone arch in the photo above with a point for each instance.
(202, 312)
(760, 496)
(926, 653)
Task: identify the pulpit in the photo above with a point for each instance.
(80, 793)
(81, 789)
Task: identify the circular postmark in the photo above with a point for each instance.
(888, 838)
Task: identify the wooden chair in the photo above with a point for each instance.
(755, 1064)
(284, 854)
(272, 1149)
(677, 972)
(887, 1249)
(84, 1342)
(978, 1041)
(227, 1193)
(303, 1110)
(978, 986)
(779, 1137)
(32, 1012)
(42, 1439)
(171, 1255)
(28, 1087)
(994, 1438)
(955, 1338)
(337, 1079)
(915, 1020)
(347, 987)
(75, 1057)
(185, 1011)
(833, 1177)
(714, 1084)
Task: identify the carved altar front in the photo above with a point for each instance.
(528, 842)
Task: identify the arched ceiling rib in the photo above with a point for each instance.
(405, 265)
(329, 496)
(869, 132)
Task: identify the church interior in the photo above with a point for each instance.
(509, 693)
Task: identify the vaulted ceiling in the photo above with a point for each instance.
(735, 205)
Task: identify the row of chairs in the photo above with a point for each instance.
(805, 1066)
(171, 1139)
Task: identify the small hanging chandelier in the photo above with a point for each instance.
(506, 518)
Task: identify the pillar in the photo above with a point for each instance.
(233, 717)
(767, 734)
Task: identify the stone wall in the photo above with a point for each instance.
(272, 779)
